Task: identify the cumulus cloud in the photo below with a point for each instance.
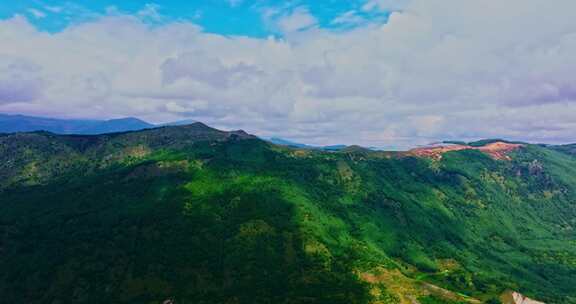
(20, 80)
(150, 12)
(436, 70)
(204, 68)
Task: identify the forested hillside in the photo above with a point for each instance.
(191, 214)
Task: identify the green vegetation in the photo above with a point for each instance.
(437, 300)
(196, 215)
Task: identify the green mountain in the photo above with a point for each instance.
(190, 214)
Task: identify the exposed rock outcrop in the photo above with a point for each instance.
(514, 297)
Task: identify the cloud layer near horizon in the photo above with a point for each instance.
(447, 69)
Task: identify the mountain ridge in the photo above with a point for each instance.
(193, 214)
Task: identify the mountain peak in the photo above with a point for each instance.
(127, 119)
(196, 125)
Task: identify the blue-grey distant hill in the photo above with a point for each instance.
(284, 142)
(21, 123)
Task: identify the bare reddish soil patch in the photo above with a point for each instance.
(435, 152)
(497, 150)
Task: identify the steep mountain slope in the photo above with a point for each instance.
(568, 149)
(196, 215)
(21, 123)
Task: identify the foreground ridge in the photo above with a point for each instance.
(192, 214)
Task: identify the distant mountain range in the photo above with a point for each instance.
(284, 142)
(22, 123)
(292, 144)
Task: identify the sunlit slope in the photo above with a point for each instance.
(197, 215)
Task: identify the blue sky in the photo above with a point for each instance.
(226, 17)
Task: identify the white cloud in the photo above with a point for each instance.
(494, 69)
(20, 80)
(150, 12)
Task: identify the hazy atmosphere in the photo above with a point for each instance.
(384, 73)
